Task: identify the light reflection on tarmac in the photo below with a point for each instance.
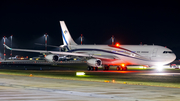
(113, 71)
(140, 72)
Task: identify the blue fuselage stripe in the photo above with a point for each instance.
(104, 51)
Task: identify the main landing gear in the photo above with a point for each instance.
(90, 68)
(121, 68)
(106, 67)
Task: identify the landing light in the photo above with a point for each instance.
(80, 73)
(159, 67)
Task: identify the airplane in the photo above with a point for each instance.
(18, 58)
(104, 56)
(13, 58)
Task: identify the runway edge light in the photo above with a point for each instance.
(30, 75)
(80, 73)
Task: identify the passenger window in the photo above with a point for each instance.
(138, 51)
(144, 52)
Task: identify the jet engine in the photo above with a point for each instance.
(52, 58)
(94, 62)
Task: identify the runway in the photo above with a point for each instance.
(46, 89)
(63, 85)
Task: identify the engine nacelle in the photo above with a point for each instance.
(52, 58)
(94, 62)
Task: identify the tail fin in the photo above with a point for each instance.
(67, 39)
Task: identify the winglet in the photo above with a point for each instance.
(7, 47)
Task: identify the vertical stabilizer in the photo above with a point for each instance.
(67, 39)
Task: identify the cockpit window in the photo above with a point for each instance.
(167, 52)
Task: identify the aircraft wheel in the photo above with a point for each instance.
(89, 68)
(104, 68)
(118, 68)
(96, 68)
(92, 68)
(125, 68)
(107, 68)
(121, 68)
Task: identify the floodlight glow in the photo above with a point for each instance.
(159, 67)
(80, 73)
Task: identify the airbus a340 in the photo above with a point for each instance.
(110, 55)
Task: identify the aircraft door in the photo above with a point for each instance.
(154, 52)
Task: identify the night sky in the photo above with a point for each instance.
(130, 22)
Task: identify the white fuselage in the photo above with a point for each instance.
(123, 54)
(129, 54)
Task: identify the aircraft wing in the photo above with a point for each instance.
(26, 50)
(64, 53)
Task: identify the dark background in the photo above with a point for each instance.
(130, 22)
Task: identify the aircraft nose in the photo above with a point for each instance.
(172, 57)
